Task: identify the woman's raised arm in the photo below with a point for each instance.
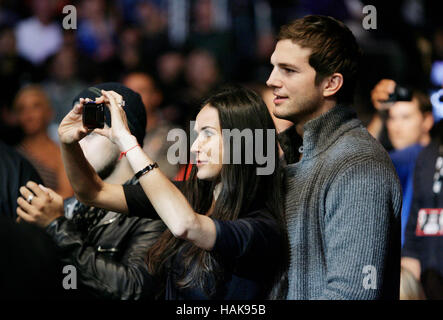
(89, 188)
(168, 201)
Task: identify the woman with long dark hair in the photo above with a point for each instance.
(225, 237)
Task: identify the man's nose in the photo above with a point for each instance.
(272, 80)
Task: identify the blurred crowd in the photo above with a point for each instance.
(174, 52)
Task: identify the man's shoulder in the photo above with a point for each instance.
(356, 145)
(357, 155)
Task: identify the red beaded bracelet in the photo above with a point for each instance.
(123, 153)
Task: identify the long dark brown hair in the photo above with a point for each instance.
(242, 190)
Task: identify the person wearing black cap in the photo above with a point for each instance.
(225, 236)
(107, 249)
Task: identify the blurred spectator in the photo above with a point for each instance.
(34, 115)
(170, 74)
(15, 171)
(205, 35)
(169, 68)
(254, 40)
(39, 36)
(422, 254)
(201, 73)
(15, 71)
(62, 85)
(408, 126)
(129, 49)
(152, 21)
(155, 142)
(96, 30)
(410, 287)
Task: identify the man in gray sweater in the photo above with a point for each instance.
(343, 197)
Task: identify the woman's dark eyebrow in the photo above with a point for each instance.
(206, 127)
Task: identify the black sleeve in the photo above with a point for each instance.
(289, 141)
(124, 279)
(249, 245)
(138, 202)
(15, 171)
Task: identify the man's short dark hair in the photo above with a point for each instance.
(334, 49)
(424, 102)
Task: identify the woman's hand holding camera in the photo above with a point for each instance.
(119, 132)
(71, 128)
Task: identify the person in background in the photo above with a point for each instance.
(39, 36)
(62, 85)
(408, 127)
(421, 253)
(15, 72)
(107, 248)
(155, 142)
(15, 171)
(34, 113)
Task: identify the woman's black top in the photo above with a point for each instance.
(250, 251)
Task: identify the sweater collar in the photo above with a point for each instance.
(323, 131)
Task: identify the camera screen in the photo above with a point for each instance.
(93, 115)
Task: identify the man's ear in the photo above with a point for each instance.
(428, 121)
(332, 84)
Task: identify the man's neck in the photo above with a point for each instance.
(325, 107)
(425, 140)
(122, 172)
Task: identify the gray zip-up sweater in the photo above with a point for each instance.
(343, 202)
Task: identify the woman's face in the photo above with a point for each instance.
(208, 147)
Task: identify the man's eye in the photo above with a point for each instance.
(288, 70)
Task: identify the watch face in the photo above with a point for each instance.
(94, 115)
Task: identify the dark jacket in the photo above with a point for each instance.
(110, 256)
(427, 248)
(15, 171)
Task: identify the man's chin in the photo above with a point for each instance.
(279, 112)
(107, 170)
